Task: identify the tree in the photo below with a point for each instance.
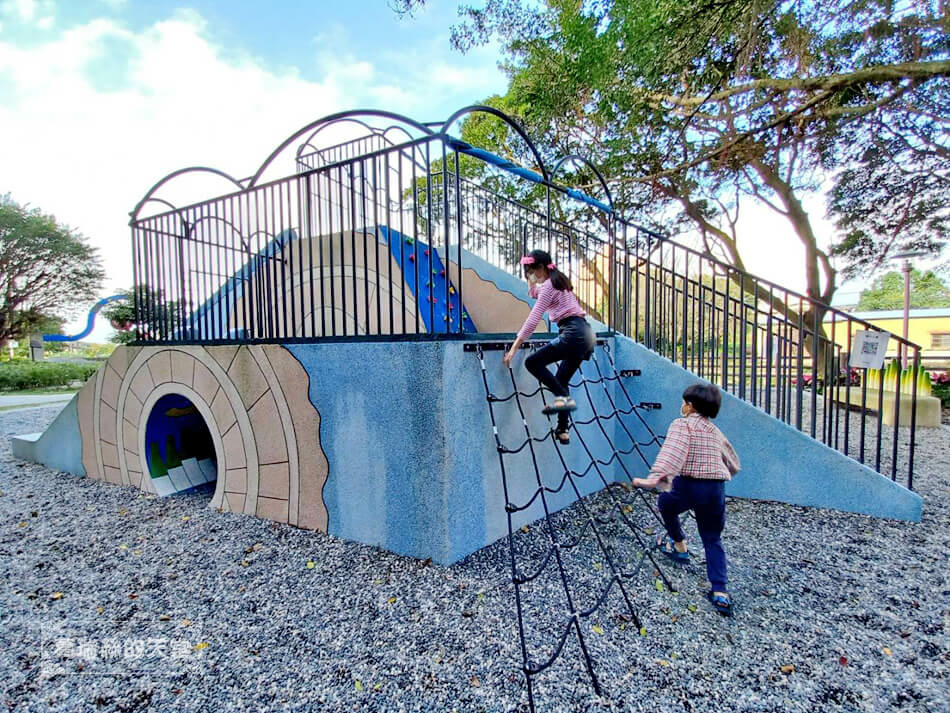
(47, 270)
(161, 319)
(691, 108)
(894, 193)
(887, 291)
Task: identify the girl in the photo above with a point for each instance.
(698, 460)
(575, 341)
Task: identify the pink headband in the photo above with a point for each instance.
(528, 260)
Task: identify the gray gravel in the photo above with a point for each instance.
(856, 609)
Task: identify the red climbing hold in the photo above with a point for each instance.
(441, 273)
(427, 252)
(450, 306)
(412, 258)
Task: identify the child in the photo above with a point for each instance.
(575, 341)
(698, 460)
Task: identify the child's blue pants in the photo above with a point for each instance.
(707, 499)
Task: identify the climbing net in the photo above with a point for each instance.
(619, 533)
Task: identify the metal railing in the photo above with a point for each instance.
(369, 238)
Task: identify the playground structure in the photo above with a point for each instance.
(318, 348)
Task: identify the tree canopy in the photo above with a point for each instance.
(47, 271)
(693, 108)
(887, 291)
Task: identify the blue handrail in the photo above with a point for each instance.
(92, 318)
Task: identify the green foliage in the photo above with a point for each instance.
(163, 315)
(20, 375)
(47, 271)
(892, 195)
(688, 108)
(887, 291)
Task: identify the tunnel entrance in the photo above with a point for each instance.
(179, 448)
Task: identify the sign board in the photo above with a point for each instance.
(868, 349)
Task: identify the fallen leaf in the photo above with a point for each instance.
(185, 518)
(100, 610)
(359, 685)
(475, 682)
(787, 669)
(643, 631)
(311, 564)
(597, 630)
(122, 511)
(887, 651)
(56, 595)
(627, 508)
(163, 617)
(664, 662)
(133, 595)
(391, 600)
(200, 645)
(377, 686)
(22, 523)
(245, 563)
(691, 607)
(186, 622)
(659, 586)
(123, 547)
(257, 546)
(525, 528)
(598, 566)
(843, 660)
(904, 634)
(136, 552)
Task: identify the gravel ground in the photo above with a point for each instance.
(833, 611)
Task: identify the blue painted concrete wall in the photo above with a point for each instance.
(413, 463)
(778, 462)
(60, 446)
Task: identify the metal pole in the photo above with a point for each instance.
(906, 311)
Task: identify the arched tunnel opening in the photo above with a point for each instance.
(179, 448)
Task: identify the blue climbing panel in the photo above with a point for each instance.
(415, 258)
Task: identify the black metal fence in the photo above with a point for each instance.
(369, 238)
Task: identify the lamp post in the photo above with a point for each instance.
(906, 269)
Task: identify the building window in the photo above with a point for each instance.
(940, 340)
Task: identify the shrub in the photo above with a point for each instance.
(16, 376)
(940, 386)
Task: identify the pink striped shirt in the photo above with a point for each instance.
(559, 304)
(693, 447)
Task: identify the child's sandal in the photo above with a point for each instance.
(721, 602)
(669, 549)
(562, 436)
(560, 403)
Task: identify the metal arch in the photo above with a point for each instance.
(590, 164)
(194, 226)
(508, 120)
(320, 128)
(328, 120)
(175, 209)
(179, 172)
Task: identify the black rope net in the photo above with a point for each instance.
(610, 541)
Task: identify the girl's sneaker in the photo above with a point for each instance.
(560, 403)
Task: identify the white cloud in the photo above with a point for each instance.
(88, 154)
(96, 114)
(39, 12)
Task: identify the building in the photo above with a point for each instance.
(929, 328)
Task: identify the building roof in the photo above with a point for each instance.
(895, 314)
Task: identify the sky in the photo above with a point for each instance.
(99, 99)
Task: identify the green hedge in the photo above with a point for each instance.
(16, 376)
